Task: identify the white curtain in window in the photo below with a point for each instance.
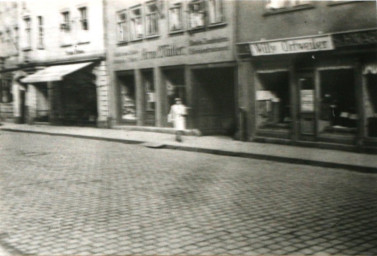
(275, 4)
(214, 11)
(175, 19)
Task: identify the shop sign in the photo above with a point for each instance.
(355, 38)
(307, 100)
(312, 44)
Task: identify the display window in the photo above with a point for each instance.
(338, 110)
(370, 104)
(273, 101)
(128, 98)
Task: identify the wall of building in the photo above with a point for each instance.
(58, 45)
(183, 50)
(256, 23)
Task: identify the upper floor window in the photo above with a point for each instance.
(279, 4)
(84, 18)
(175, 17)
(196, 14)
(151, 19)
(215, 11)
(40, 32)
(122, 27)
(136, 23)
(27, 25)
(65, 25)
(16, 36)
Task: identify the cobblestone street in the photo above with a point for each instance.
(70, 196)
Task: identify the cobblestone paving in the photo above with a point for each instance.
(68, 196)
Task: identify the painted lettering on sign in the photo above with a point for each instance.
(321, 43)
(162, 51)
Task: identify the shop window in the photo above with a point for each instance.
(122, 27)
(273, 101)
(175, 17)
(175, 86)
(338, 113)
(196, 14)
(371, 105)
(40, 33)
(151, 19)
(84, 18)
(215, 11)
(128, 98)
(6, 91)
(27, 25)
(136, 23)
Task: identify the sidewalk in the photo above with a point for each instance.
(214, 145)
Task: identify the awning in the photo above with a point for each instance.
(370, 69)
(54, 73)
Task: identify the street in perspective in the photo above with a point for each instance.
(188, 127)
(74, 196)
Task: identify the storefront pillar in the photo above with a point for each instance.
(140, 95)
(293, 90)
(189, 98)
(360, 82)
(246, 100)
(161, 99)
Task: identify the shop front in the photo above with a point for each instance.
(313, 91)
(62, 94)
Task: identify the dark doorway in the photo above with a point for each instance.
(215, 101)
(127, 94)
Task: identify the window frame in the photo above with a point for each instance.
(288, 7)
(222, 20)
(27, 29)
(122, 25)
(154, 15)
(190, 5)
(40, 32)
(84, 21)
(65, 25)
(179, 6)
(132, 18)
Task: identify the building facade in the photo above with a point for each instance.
(161, 50)
(308, 74)
(61, 75)
(8, 56)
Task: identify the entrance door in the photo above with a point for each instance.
(215, 101)
(306, 106)
(22, 107)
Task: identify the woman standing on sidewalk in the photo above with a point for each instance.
(177, 115)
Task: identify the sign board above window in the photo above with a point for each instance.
(286, 46)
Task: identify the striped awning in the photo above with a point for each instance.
(54, 73)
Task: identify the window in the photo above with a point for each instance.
(215, 11)
(175, 17)
(136, 21)
(27, 23)
(6, 91)
(279, 4)
(196, 14)
(151, 19)
(40, 32)
(122, 27)
(16, 37)
(84, 18)
(273, 101)
(64, 26)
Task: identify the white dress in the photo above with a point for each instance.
(177, 115)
